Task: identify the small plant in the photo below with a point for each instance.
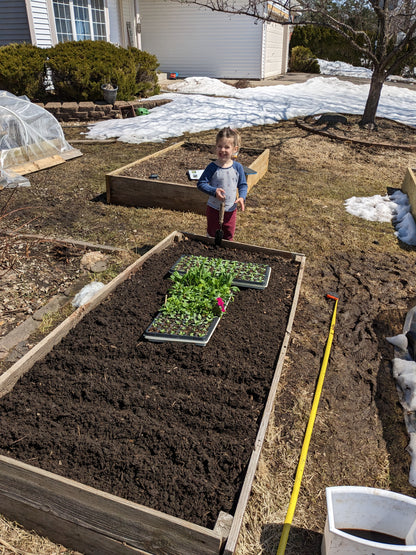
(249, 274)
(193, 302)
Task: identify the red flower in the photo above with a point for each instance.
(221, 304)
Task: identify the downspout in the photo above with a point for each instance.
(122, 24)
(138, 25)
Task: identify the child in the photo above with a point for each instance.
(221, 180)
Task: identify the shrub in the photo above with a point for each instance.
(22, 70)
(302, 59)
(79, 68)
(326, 43)
(146, 76)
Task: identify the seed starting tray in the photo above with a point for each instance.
(186, 261)
(158, 337)
(249, 275)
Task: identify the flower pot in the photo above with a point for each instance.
(109, 93)
(365, 521)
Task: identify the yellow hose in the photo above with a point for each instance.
(301, 465)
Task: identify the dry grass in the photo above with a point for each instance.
(298, 206)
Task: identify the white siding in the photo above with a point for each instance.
(41, 23)
(274, 52)
(198, 42)
(114, 22)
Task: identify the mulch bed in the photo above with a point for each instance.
(170, 426)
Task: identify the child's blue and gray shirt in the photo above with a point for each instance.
(230, 179)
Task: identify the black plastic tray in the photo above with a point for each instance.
(164, 337)
(237, 282)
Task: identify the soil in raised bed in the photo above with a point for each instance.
(173, 165)
(170, 426)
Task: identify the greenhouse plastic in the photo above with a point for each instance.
(28, 133)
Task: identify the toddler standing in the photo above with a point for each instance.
(225, 182)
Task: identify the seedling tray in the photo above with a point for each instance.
(260, 281)
(158, 337)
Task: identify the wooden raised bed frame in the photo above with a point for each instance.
(94, 522)
(409, 187)
(151, 193)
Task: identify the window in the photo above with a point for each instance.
(79, 19)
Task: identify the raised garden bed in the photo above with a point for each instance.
(111, 444)
(409, 187)
(172, 189)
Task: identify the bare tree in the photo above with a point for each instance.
(383, 31)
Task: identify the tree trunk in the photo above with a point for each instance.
(369, 115)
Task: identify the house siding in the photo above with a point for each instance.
(14, 25)
(275, 50)
(198, 42)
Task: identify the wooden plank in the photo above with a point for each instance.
(154, 155)
(63, 532)
(260, 165)
(409, 187)
(10, 377)
(148, 193)
(232, 539)
(61, 241)
(47, 499)
(245, 246)
(36, 165)
(43, 163)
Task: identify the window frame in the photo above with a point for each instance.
(91, 21)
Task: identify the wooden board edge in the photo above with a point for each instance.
(232, 539)
(63, 532)
(45, 496)
(153, 155)
(245, 246)
(118, 179)
(409, 188)
(10, 377)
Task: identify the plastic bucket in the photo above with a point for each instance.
(109, 95)
(368, 521)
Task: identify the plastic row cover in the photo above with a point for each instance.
(27, 133)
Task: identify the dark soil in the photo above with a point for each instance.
(172, 166)
(170, 426)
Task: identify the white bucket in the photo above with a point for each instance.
(368, 521)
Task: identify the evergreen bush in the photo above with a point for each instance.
(22, 68)
(302, 59)
(79, 68)
(325, 43)
(147, 83)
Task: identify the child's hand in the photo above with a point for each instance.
(220, 194)
(240, 203)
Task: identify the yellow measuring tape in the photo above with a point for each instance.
(301, 465)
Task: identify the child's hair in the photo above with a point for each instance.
(229, 133)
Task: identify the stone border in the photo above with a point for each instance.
(97, 111)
